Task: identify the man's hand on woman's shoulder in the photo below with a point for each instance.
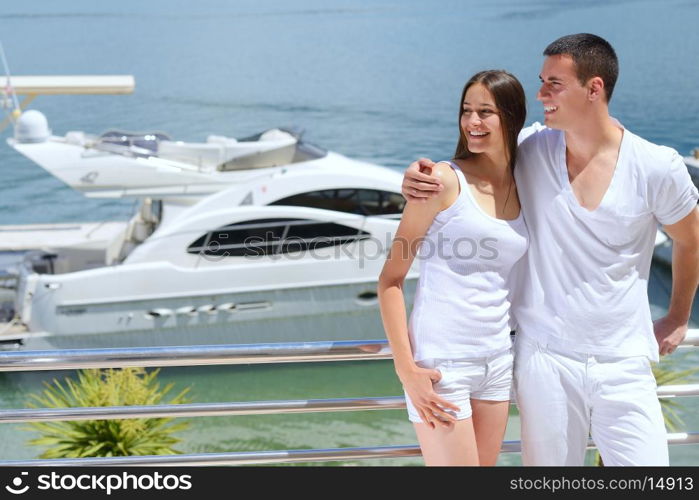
(418, 182)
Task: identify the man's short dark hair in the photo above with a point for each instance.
(593, 56)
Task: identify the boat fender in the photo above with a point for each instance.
(158, 313)
(228, 307)
(186, 310)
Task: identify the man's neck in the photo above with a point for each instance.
(592, 136)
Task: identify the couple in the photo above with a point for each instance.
(569, 267)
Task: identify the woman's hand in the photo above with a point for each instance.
(419, 384)
(418, 184)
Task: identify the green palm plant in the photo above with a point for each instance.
(666, 373)
(106, 438)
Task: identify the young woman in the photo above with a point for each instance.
(454, 356)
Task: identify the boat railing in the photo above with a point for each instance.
(230, 355)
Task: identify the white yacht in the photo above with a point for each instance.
(268, 239)
(119, 164)
(292, 256)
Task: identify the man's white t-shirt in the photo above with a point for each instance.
(583, 284)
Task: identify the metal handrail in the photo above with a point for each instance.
(241, 408)
(691, 340)
(202, 409)
(70, 359)
(680, 390)
(278, 456)
(238, 354)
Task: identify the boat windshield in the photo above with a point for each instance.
(285, 155)
(131, 143)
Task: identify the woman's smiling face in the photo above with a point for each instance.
(480, 121)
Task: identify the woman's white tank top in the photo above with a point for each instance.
(462, 302)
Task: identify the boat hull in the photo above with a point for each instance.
(318, 313)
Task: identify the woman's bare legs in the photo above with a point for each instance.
(489, 423)
(453, 445)
(471, 441)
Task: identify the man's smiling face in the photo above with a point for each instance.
(565, 100)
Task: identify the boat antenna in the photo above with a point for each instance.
(9, 91)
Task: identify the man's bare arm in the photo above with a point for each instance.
(671, 329)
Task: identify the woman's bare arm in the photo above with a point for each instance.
(416, 220)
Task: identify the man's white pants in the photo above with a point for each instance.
(563, 397)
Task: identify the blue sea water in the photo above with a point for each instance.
(374, 80)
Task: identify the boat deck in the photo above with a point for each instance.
(35, 236)
(12, 335)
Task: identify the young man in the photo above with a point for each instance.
(592, 195)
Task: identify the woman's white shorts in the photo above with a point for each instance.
(489, 379)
